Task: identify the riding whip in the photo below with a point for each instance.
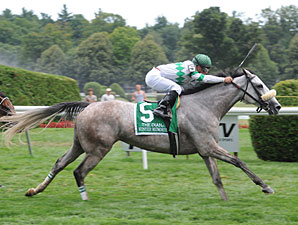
(250, 51)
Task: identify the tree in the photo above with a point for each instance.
(264, 67)
(93, 60)
(123, 39)
(106, 22)
(8, 15)
(292, 66)
(29, 15)
(78, 25)
(145, 54)
(52, 61)
(45, 19)
(211, 24)
(64, 16)
(9, 54)
(35, 43)
(8, 33)
(279, 27)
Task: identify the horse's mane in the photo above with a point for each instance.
(201, 86)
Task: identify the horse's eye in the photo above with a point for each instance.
(260, 86)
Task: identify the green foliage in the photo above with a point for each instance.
(35, 43)
(264, 67)
(288, 100)
(52, 61)
(93, 60)
(118, 90)
(32, 88)
(106, 22)
(226, 39)
(9, 54)
(146, 54)
(97, 88)
(279, 27)
(292, 66)
(123, 39)
(275, 137)
(8, 33)
(287, 88)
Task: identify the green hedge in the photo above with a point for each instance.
(118, 90)
(25, 87)
(287, 88)
(287, 100)
(96, 87)
(275, 138)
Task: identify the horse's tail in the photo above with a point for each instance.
(21, 122)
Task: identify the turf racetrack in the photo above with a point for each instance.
(172, 191)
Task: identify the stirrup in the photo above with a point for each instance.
(160, 113)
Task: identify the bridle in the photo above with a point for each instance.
(2, 100)
(260, 101)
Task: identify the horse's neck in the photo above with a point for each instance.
(220, 98)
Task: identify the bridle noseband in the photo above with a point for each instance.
(3, 107)
(3, 99)
(262, 103)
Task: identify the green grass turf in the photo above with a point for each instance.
(171, 191)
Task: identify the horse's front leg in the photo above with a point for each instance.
(213, 170)
(222, 154)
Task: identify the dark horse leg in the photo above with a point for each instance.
(213, 170)
(220, 153)
(60, 164)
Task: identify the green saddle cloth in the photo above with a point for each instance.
(148, 124)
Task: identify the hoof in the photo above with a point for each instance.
(268, 190)
(30, 192)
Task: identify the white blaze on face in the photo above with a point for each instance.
(269, 95)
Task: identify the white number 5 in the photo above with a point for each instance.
(146, 112)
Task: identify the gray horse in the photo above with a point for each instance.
(100, 125)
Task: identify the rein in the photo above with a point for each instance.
(262, 103)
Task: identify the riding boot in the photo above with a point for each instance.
(167, 102)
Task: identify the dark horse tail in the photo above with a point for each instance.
(21, 122)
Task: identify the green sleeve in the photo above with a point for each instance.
(198, 76)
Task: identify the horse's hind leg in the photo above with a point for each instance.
(75, 151)
(213, 170)
(89, 163)
(220, 153)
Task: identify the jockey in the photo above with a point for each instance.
(168, 78)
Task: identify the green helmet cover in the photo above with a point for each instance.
(202, 60)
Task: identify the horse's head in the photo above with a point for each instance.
(258, 93)
(6, 107)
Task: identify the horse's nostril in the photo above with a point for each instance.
(278, 107)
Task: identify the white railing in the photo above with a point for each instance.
(239, 111)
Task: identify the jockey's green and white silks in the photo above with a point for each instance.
(169, 77)
(148, 124)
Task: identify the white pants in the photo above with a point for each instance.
(157, 82)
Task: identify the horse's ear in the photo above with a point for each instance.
(244, 71)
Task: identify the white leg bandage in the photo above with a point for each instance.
(83, 193)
